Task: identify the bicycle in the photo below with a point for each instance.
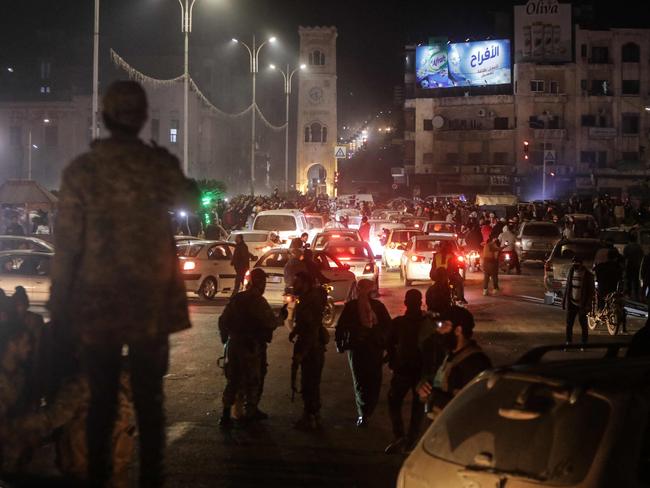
(611, 315)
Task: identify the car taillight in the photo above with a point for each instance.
(506, 256)
(189, 265)
(418, 259)
(461, 259)
(370, 267)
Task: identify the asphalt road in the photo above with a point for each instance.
(272, 453)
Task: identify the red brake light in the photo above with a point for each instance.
(189, 265)
(418, 259)
(370, 267)
(461, 259)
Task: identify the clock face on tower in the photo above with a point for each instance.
(316, 95)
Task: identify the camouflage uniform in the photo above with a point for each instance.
(246, 326)
(116, 280)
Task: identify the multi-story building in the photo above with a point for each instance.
(588, 120)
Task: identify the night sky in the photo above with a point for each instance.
(370, 43)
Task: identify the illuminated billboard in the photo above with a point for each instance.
(543, 31)
(479, 63)
(431, 70)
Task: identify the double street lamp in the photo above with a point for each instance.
(287, 76)
(253, 54)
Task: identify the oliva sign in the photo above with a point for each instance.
(541, 7)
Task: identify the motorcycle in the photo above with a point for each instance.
(506, 261)
(473, 260)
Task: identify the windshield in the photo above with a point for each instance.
(440, 227)
(275, 222)
(350, 252)
(189, 250)
(429, 245)
(615, 236)
(487, 428)
(541, 231)
(273, 260)
(403, 236)
(315, 222)
(586, 252)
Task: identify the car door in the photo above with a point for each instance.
(41, 279)
(219, 259)
(341, 279)
(14, 271)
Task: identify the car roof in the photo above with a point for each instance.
(206, 243)
(435, 237)
(345, 243)
(252, 232)
(25, 252)
(581, 240)
(284, 211)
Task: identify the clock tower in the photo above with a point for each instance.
(317, 123)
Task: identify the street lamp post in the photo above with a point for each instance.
(186, 28)
(287, 76)
(253, 60)
(95, 108)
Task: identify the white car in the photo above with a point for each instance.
(29, 269)
(353, 216)
(316, 222)
(417, 258)
(358, 256)
(320, 240)
(439, 227)
(273, 262)
(15, 243)
(398, 240)
(377, 239)
(384, 214)
(258, 241)
(288, 224)
(206, 267)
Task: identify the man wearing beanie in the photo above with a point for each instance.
(115, 276)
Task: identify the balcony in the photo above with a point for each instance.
(473, 134)
(602, 132)
(550, 97)
(549, 134)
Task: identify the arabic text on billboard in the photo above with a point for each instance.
(479, 63)
(431, 68)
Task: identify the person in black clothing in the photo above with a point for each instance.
(241, 261)
(313, 268)
(438, 295)
(407, 333)
(14, 228)
(309, 347)
(608, 275)
(633, 254)
(367, 322)
(474, 238)
(465, 360)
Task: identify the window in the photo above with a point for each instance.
(630, 123)
(46, 70)
(324, 134)
(588, 120)
(15, 136)
(631, 87)
(428, 124)
(316, 132)
(452, 158)
(307, 134)
(583, 50)
(155, 130)
(540, 230)
(475, 158)
(45, 90)
(275, 223)
(51, 135)
(588, 157)
(316, 58)
(601, 159)
(600, 87)
(599, 55)
(584, 85)
(537, 86)
(501, 123)
(630, 156)
(630, 53)
(173, 132)
(219, 252)
(554, 87)
(500, 158)
(275, 260)
(534, 122)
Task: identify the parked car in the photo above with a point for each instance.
(358, 256)
(618, 236)
(572, 421)
(320, 240)
(342, 280)
(14, 243)
(29, 269)
(185, 239)
(418, 256)
(258, 241)
(287, 224)
(398, 240)
(558, 264)
(206, 267)
(536, 240)
(412, 222)
(584, 225)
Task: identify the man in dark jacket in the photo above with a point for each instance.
(464, 361)
(633, 254)
(577, 299)
(246, 326)
(406, 335)
(241, 259)
(309, 337)
(115, 275)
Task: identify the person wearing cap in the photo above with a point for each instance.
(246, 327)
(577, 299)
(464, 361)
(115, 276)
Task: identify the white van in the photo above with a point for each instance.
(286, 223)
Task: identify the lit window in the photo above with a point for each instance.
(173, 132)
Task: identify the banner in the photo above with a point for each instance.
(431, 70)
(479, 63)
(543, 31)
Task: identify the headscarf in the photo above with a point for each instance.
(367, 316)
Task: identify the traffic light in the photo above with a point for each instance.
(336, 178)
(526, 150)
